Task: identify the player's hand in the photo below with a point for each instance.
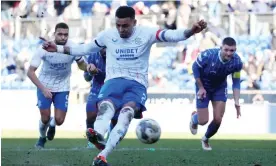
(238, 109)
(47, 93)
(201, 94)
(92, 69)
(199, 26)
(48, 45)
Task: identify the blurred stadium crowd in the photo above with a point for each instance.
(170, 68)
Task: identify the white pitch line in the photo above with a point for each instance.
(135, 149)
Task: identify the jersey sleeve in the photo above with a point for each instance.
(78, 59)
(166, 35)
(100, 39)
(236, 80)
(199, 63)
(37, 58)
(237, 73)
(94, 46)
(202, 59)
(238, 64)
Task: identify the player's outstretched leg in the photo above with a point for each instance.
(116, 135)
(219, 108)
(106, 111)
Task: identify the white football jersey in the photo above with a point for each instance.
(129, 57)
(56, 68)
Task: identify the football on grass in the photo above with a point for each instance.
(148, 131)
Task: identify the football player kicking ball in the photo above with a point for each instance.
(53, 83)
(127, 59)
(211, 69)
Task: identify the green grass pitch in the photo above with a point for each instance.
(69, 148)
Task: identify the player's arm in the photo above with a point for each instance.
(236, 83)
(31, 74)
(34, 64)
(81, 63)
(79, 50)
(87, 76)
(198, 65)
(100, 74)
(179, 34)
(236, 87)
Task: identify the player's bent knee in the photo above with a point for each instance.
(218, 120)
(91, 115)
(45, 116)
(59, 121)
(131, 104)
(126, 115)
(203, 122)
(203, 116)
(45, 119)
(104, 106)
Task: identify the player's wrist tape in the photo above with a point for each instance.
(60, 49)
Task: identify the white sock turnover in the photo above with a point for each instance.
(105, 113)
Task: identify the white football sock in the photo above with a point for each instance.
(105, 113)
(53, 122)
(204, 138)
(119, 131)
(43, 128)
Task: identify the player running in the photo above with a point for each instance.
(128, 48)
(53, 83)
(211, 69)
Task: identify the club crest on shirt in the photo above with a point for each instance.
(138, 40)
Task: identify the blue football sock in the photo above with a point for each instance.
(195, 119)
(89, 124)
(212, 129)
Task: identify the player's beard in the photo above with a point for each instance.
(124, 35)
(61, 42)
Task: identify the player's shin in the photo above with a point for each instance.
(105, 114)
(52, 122)
(90, 123)
(43, 128)
(119, 131)
(212, 129)
(195, 118)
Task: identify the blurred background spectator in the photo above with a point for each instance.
(251, 23)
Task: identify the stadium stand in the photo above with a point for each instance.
(251, 24)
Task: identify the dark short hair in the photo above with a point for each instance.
(61, 25)
(229, 41)
(125, 12)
